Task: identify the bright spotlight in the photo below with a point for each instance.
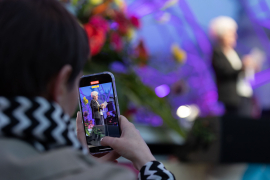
(183, 111)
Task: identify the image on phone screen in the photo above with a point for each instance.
(99, 112)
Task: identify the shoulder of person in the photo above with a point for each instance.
(217, 48)
(218, 56)
(62, 163)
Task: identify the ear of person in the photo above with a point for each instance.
(59, 85)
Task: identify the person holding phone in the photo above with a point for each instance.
(42, 53)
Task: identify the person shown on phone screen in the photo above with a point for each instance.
(97, 109)
(43, 49)
(109, 119)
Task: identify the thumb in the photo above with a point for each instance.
(80, 129)
(109, 141)
(79, 123)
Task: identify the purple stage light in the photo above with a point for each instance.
(118, 67)
(145, 116)
(165, 73)
(162, 90)
(261, 78)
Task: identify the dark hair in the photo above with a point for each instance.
(37, 38)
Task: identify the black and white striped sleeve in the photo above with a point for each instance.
(155, 170)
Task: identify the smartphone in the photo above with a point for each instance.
(100, 110)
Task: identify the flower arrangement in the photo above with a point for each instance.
(97, 133)
(110, 30)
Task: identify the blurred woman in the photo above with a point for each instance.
(233, 90)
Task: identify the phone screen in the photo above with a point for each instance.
(99, 110)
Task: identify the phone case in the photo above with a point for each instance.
(115, 97)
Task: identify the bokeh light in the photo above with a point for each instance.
(162, 90)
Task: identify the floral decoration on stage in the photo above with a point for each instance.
(110, 29)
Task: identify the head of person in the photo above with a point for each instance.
(94, 95)
(223, 30)
(42, 51)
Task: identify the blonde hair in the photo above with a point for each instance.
(219, 25)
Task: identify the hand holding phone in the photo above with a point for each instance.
(105, 135)
(100, 111)
(108, 156)
(130, 145)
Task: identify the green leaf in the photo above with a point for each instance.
(86, 130)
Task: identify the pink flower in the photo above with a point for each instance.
(123, 22)
(99, 22)
(116, 41)
(135, 22)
